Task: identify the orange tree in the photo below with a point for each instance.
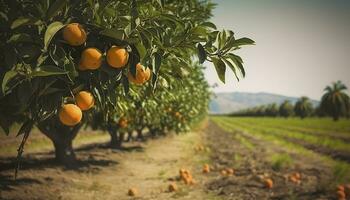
(52, 50)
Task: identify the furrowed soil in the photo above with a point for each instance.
(151, 166)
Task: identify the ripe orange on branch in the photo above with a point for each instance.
(142, 75)
(74, 34)
(84, 100)
(91, 58)
(117, 57)
(70, 114)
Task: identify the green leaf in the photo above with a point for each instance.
(232, 68)
(199, 30)
(209, 24)
(238, 62)
(48, 70)
(21, 21)
(8, 76)
(55, 8)
(243, 41)
(156, 63)
(20, 38)
(141, 49)
(202, 55)
(220, 68)
(113, 33)
(51, 30)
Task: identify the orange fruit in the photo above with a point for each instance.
(74, 34)
(206, 168)
(117, 57)
(142, 75)
(230, 171)
(123, 122)
(84, 100)
(297, 175)
(223, 172)
(340, 188)
(91, 58)
(341, 194)
(70, 114)
(268, 183)
(132, 192)
(172, 187)
(293, 179)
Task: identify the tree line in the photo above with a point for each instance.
(334, 103)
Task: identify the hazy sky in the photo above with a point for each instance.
(301, 45)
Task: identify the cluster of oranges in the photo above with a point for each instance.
(91, 59)
(71, 114)
(186, 176)
(295, 178)
(227, 172)
(343, 191)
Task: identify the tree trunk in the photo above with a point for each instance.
(129, 136)
(117, 137)
(64, 152)
(139, 135)
(62, 139)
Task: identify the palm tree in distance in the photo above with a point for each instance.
(335, 102)
(303, 107)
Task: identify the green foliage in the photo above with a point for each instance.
(280, 161)
(303, 107)
(286, 109)
(335, 102)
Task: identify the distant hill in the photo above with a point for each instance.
(234, 101)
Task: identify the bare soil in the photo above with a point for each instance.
(108, 174)
(151, 166)
(253, 165)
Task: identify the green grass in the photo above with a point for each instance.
(280, 161)
(319, 140)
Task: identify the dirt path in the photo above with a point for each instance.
(109, 174)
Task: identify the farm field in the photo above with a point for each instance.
(255, 148)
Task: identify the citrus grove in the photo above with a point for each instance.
(124, 67)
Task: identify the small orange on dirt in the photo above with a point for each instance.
(142, 75)
(230, 171)
(84, 100)
(223, 172)
(132, 192)
(91, 58)
(297, 175)
(172, 187)
(117, 57)
(293, 179)
(268, 183)
(181, 171)
(341, 194)
(74, 34)
(70, 114)
(206, 168)
(187, 180)
(123, 122)
(340, 188)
